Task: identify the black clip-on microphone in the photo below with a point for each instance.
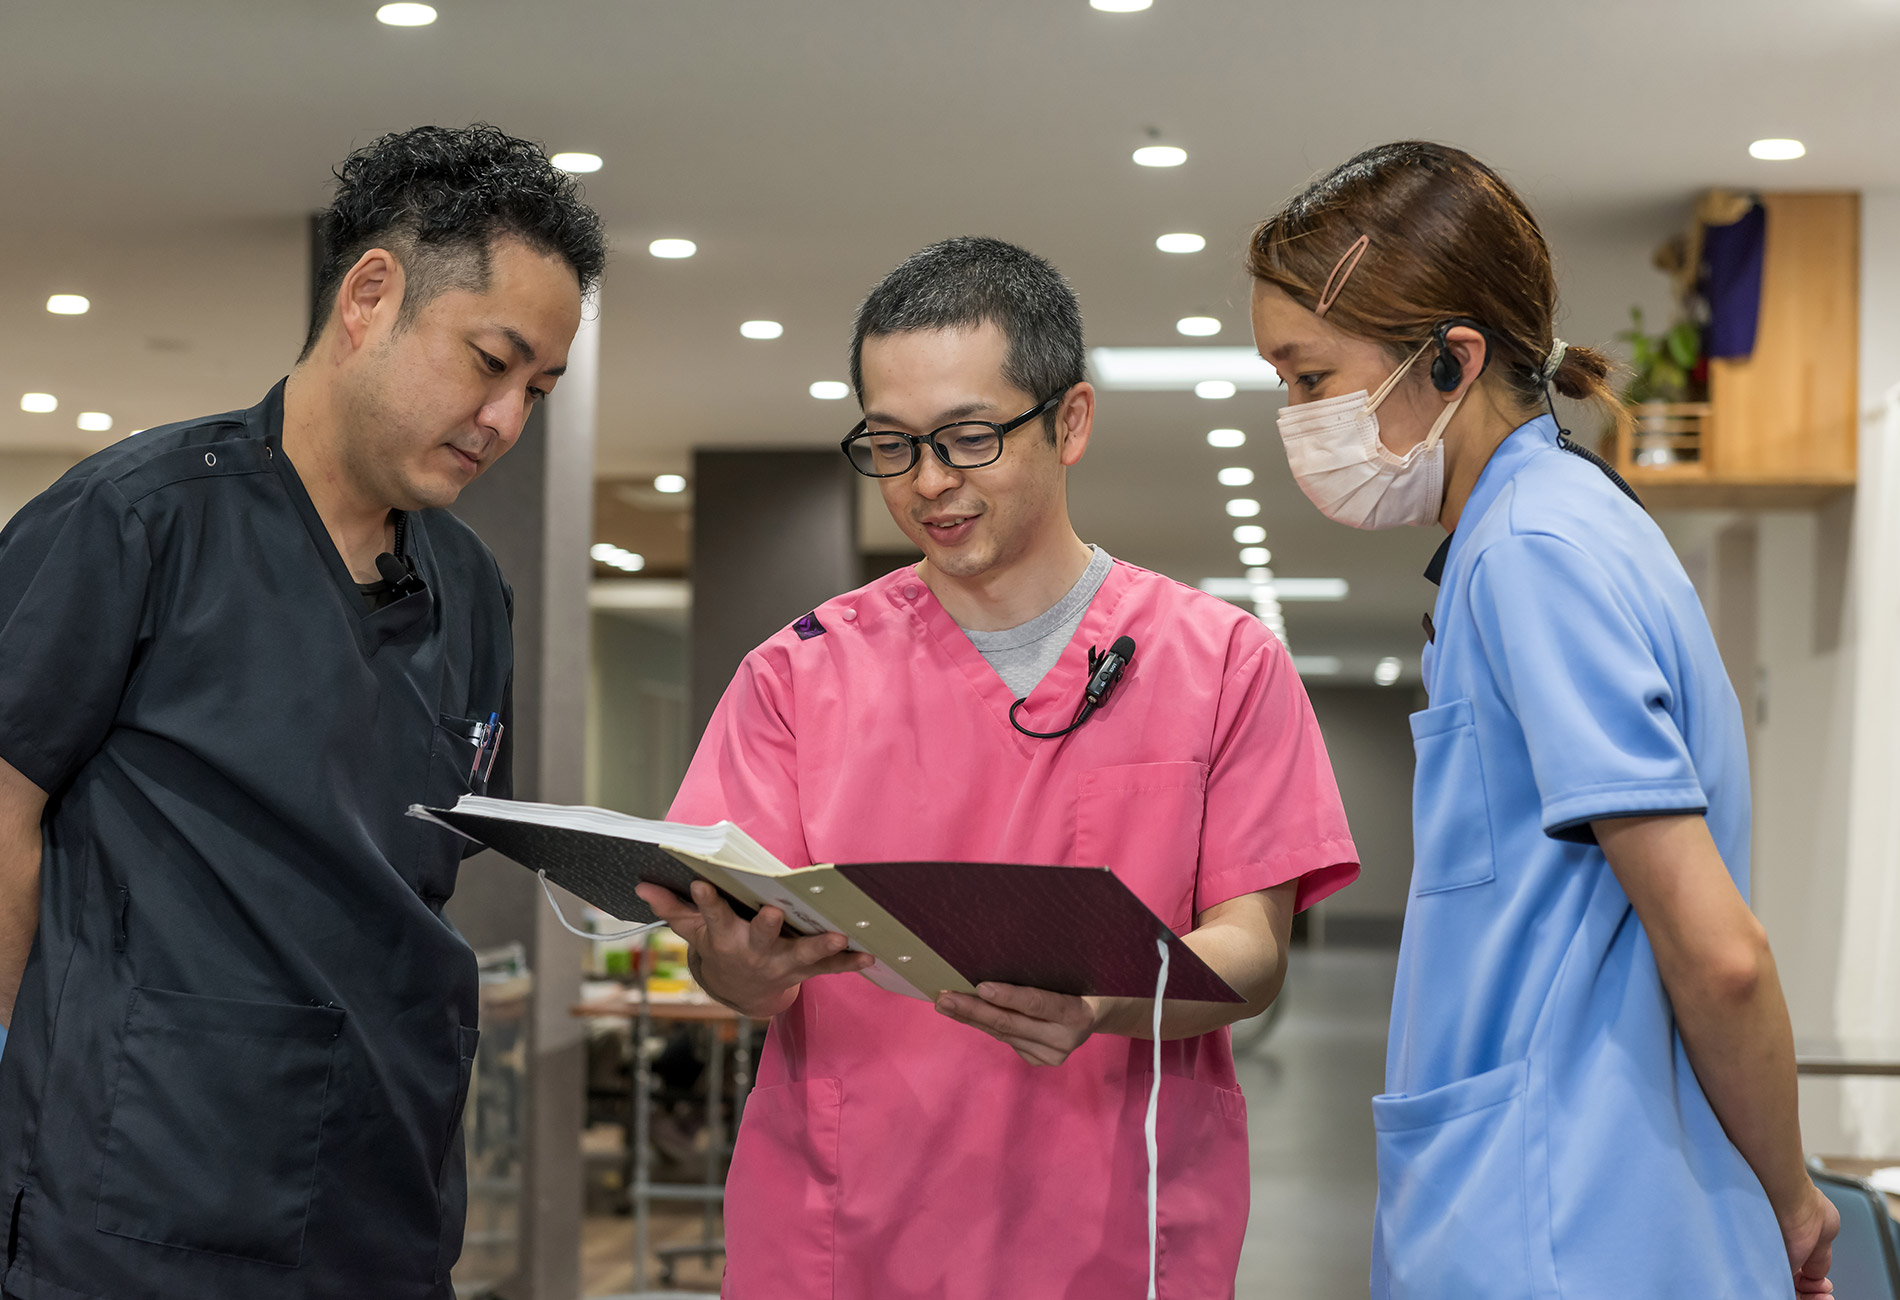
(1104, 671)
(396, 569)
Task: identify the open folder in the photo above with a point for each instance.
(932, 926)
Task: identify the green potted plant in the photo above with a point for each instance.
(1666, 380)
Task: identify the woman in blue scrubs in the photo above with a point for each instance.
(1590, 1078)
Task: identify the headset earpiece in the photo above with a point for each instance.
(1447, 371)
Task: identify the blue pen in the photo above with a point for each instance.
(491, 736)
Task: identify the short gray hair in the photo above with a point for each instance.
(962, 283)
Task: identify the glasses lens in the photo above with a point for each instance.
(881, 454)
(970, 445)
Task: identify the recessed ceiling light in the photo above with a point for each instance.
(1777, 150)
(68, 304)
(1226, 438)
(1235, 476)
(1256, 555)
(1387, 671)
(1215, 389)
(406, 15)
(670, 483)
(1243, 507)
(95, 421)
(1160, 155)
(38, 403)
(672, 248)
(1250, 534)
(579, 163)
(1198, 326)
(1180, 242)
(616, 557)
(830, 390)
(761, 329)
(1120, 6)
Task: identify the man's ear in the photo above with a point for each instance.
(370, 296)
(1075, 421)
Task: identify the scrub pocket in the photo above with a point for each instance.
(1201, 1137)
(451, 775)
(217, 1120)
(1144, 821)
(782, 1193)
(1451, 815)
(1453, 1209)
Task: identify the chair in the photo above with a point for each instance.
(1866, 1258)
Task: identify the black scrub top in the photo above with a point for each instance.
(242, 1047)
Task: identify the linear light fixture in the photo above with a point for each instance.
(1179, 369)
(1303, 589)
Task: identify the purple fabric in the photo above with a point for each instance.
(1731, 282)
(808, 627)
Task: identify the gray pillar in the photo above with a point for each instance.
(535, 512)
(775, 533)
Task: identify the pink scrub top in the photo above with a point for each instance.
(889, 1152)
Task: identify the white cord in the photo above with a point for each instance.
(634, 933)
(1154, 1106)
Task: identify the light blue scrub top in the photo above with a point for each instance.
(1542, 1133)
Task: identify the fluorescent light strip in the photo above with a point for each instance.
(1179, 369)
(1306, 589)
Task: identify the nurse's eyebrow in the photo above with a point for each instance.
(525, 349)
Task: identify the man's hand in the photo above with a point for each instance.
(1042, 1027)
(748, 965)
(1809, 1235)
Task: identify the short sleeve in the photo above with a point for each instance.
(1273, 810)
(74, 569)
(1576, 666)
(746, 768)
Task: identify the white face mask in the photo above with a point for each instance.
(1337, 459)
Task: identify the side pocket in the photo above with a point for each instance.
(217, 1121)
(782, 1193)
(451, 1179)
(1143, 820)
(1453, 1210)
(1451, 814)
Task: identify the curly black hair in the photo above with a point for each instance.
(438, 197)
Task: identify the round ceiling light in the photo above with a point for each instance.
(68, 304)
(38, 403)
(1243, 508)
(761, 329)
(669, 483)
(577, 163)
(1776, 150)
(405, 15)
(1160, 155)
(1387, 671)
(674, 248)
(1199, 327)
(830, 390)
(1120, 6)
(1235, 476)
(95, 421)
(1250, 534)
(1226, 438)
(1215, 390)
(1255, 556)
(1180, 242)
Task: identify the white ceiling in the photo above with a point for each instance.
(161, 158)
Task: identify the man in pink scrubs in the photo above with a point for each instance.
(992, 1146)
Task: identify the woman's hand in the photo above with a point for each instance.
(748, 965)
(1809, 1234)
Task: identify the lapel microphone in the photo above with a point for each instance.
(1105, 670)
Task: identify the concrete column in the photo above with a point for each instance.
(535, 511)
(775, 533)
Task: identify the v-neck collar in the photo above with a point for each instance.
(1053, 702)
(373, 628)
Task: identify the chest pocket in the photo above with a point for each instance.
(1451, 814)
(1144, 821)
(452, 774)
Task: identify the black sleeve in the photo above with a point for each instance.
(75, 565)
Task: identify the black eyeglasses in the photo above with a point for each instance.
(966, 444)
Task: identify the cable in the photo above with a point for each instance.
(634, 933)
(1577, 449)
(1154, 1149)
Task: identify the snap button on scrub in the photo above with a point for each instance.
(910, 593)
(850, 614)
(210, 459)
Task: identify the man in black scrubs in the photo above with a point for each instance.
(232, 652)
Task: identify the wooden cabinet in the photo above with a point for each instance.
(1780, 428)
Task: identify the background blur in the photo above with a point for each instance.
(682, 497)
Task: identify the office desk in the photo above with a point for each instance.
(724, 1026)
